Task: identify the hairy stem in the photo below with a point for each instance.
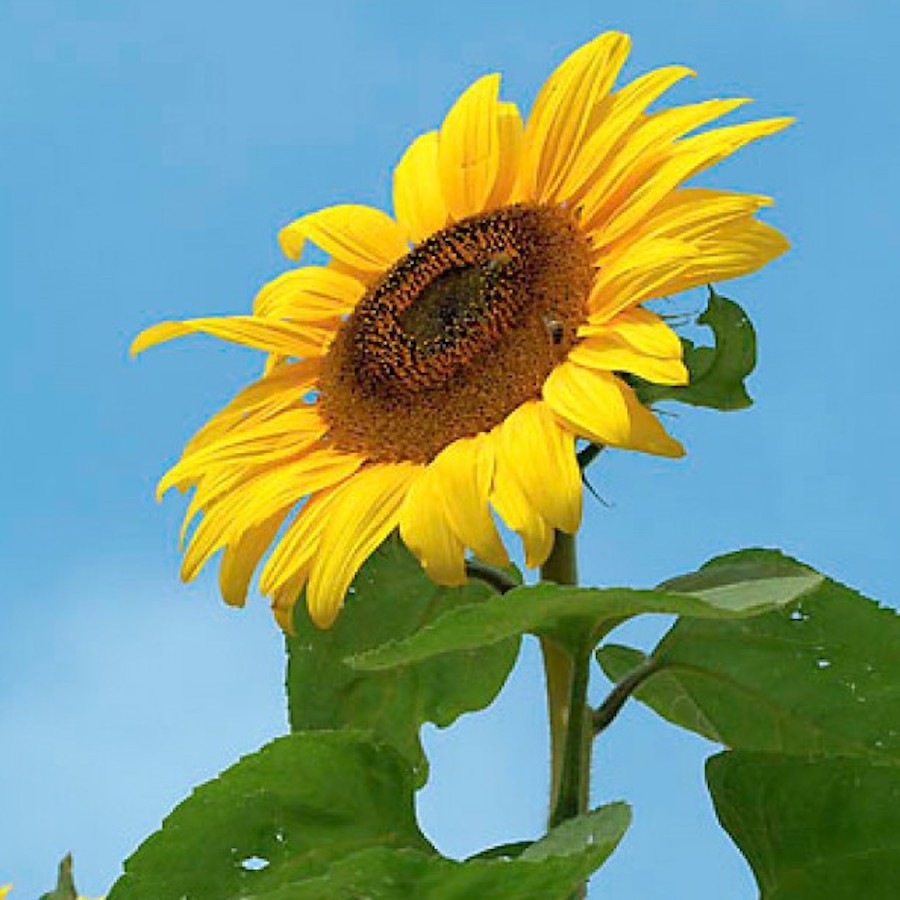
(567, 668)
(572, 798)
(558, 674)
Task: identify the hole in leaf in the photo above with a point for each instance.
(254, 863)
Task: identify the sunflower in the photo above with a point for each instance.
(439, 369)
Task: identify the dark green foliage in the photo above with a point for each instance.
(553, 610)
(820, 675)
(796, 674)
(299, 803)
(327, 811)
(822, 828)
(391, 597)
(718, 372)
(324, 815)
(808, 698)
(550, 869)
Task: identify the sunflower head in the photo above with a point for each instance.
(438, 371)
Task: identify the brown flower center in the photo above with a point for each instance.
(457, 334)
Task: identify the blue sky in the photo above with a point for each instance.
(151, 152)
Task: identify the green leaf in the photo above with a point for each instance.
(812, 828)
(740, 589)
(502, 851)
(718, 372)
(300, 802)
(390, 598)
(741, 575)
(330, 815)
(551, 869)
(819, 676)
(662, 690)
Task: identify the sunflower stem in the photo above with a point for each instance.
(567, 667)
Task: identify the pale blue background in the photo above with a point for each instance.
(150, 151)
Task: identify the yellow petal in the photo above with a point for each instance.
(642, 151)
(281, 437)
(362, 513)
(418, 201)
(312, 468)
(317, 469)
(640, 328)
(518, 511)
(598, 406)
(292, 557)
(616, 115)
(469, 148)
(540, 456)
(364, 238)
(563, 113)
(293, 554)
(611, 354)
(271, 335)
(741, 247)
(287, 571)
(510, 133)
(688, 158)
(447, 510)
(639, 273)
(242, 557)
(463, 472)
(209, 537)
(285, 598)
(658, 267)
(261, 496)
(693, 213)
(310, 294)
(208, 490)
(425, 529)
(282, 388)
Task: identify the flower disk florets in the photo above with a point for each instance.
(457, 334)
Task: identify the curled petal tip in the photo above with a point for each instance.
(139, 344)
(291, 239)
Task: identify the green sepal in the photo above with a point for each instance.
(717, 373)
(391, 598)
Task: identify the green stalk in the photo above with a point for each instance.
(567, 667)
